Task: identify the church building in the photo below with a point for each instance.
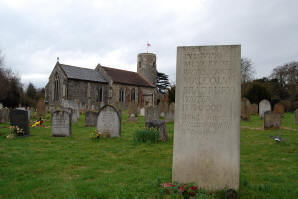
(93, 88)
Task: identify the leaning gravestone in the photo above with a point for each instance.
(272, 120)
(207, 116)
(4, 115)
(245, 109)
(151, 113)
(264, 106)
(91, 118)
(61, 123)
(279, 108)
(109, 121)
(296, 116)
(254, 109)
(20, 118)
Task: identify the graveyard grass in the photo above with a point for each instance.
(41, 166)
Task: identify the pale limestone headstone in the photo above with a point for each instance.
(91, 118)
(264, 106)
(109, 121)
(207, 116)
(142, 111)
(151, 113)
(4, 115)
(61, 123)
(272, 120)
(1, 105)
(296, 116)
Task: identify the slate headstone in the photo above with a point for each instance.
(109, 121)
(272, 120)
(279, 108)
(91, 118)
(264, 106)
(61, 123)
(207, 116)
(4, 115)
(20, 118)
(151, 113)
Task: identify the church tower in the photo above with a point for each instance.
(147, 66)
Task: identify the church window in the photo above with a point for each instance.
(121, 95)
(56, 86)
(133, 95)
(100, 94)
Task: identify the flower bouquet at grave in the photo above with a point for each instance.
(186, 190)
(95, 135)
(15, 131)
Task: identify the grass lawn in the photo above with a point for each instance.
(41, 166)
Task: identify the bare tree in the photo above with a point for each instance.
(247, 70)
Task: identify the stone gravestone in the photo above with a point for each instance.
(207, 116)
(245, 109)
(91, 118)
(264, 106)
(61, 123)
(132, 109)
(75, 109)
(109, 121)
(254, 109)
(170, 115)
(4, 115)
(296, 116)
(162, 108)
(41, 108)
(1, 105)
(20, 118)
(160, 125)
(142, 111)
(151, 113)
(279, 108)
(272, 120)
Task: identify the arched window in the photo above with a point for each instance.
(56, 86)
(133, 95)
(100, 94)
(121, 95)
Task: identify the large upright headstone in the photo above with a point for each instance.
(4, 115)
(207, 116)
(151, 113)
(61, 123)
(20, 118)
(109, 121)
(272, 120)
(264, 106)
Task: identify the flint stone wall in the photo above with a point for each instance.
(61, 123)
(207, 116)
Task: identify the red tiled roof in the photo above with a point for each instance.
(127, 77)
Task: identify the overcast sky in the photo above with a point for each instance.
(33, 33)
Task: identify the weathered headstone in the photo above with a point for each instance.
(254, 109)
(264, 106)
(207, 116)
(245, 109)
(61, 123)
(1, 105)
(132, 109)
(142, 111)
(160, 125)
(20, 118)
(170, 115)
(151, 113)
(4, 115)
(296, 116)
(272, 120)
(279, 108)
(91, 118)
(109, 121)
(75, 109)
(41, 108)
(162, 108)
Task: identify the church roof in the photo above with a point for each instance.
(74, 72)
(127, 77)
